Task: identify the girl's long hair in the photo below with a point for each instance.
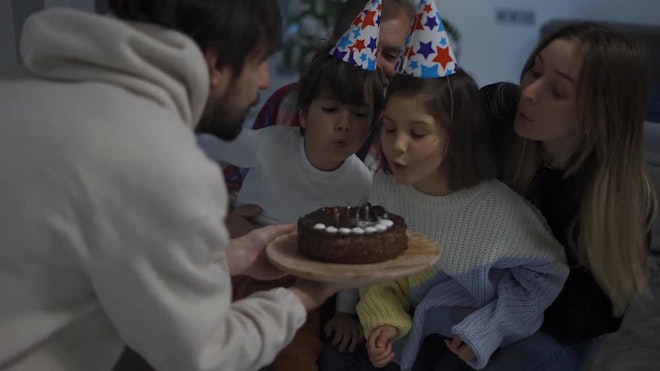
(618, 199)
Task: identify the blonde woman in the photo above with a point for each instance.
(578, 156)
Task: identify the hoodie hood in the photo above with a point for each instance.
(163, 65)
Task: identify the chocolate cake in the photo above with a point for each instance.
(351, 235)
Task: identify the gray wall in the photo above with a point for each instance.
(12, 16)
(494, 51)
(7, 38)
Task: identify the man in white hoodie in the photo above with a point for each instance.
(111, 218)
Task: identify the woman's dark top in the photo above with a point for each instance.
(582, 310)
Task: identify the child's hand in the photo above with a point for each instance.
(348, 331)
(458, 347)
(379, 345)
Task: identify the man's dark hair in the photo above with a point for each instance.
(233, 29)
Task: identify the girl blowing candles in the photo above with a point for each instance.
(500, 267)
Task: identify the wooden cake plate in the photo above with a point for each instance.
(421, 253)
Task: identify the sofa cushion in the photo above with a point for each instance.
(652, 157)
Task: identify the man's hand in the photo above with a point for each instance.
(238, 220)
(245, 255)
(348, 332)
(379, 345)
(458, 347)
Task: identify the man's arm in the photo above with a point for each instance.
(156, 261)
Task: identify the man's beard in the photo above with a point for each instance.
(224, 119)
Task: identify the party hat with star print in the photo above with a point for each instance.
(427, 52)
(359, 44)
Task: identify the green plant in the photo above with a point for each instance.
(307, 23)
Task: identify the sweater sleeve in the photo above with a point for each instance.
(530, 274)
(387, 303)
(242, 151)
(522, 295)
(157, 262)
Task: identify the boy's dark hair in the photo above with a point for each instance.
(232, 29)
(456, 103)
(343, 80)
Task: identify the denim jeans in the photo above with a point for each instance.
(333, 360)
(541, 352)
(434, 355)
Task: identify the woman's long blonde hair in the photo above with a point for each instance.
(617, 196)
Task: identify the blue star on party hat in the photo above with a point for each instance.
(359, 44)
(426, 52)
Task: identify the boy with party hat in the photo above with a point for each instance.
(294, 171)
(500, 267)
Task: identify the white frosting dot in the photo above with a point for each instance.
(331, 229)
(386, 222)
(345, 230)
(358, 230)
(371, 230)
(381, 227)
(319, 226)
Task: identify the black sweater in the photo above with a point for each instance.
(582, 310)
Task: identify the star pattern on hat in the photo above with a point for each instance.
(359, 44)
(418, 22)
(425, 49)
(426, 52)
(443, 56)
(369, 19)
(430, 22)
(373, 44)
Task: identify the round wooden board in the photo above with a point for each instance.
(421, 253)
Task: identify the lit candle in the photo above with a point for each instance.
(366, 211)
(336, 216)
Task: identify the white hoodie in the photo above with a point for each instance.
(111, 218)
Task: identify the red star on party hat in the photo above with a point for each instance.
(359, 44)
(427, 52)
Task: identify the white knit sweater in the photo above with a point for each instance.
(498, 256)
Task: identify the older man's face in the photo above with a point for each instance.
(393, 33)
